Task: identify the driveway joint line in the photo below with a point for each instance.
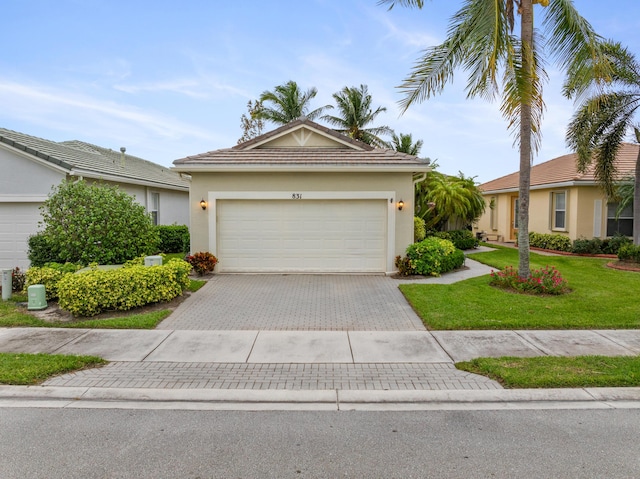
(532, 344)
(253, 345)
(158, 345)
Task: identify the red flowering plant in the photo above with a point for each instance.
(541, 281)
(202, 262)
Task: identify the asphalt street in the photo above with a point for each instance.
(87, 444)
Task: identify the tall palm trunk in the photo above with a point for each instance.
(526, 37)
(636, 198)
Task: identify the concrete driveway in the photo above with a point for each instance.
(296, 303)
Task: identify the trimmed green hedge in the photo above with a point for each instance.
(556, 242)
(461, 239)
(92, 292)
(173, 238)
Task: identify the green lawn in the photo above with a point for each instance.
(554, 372)
(26, 369)
(601, 298)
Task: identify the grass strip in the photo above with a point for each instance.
(28, 369)
(558, 372)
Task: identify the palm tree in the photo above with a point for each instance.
(442, 199)
(602, 122)
(404, 144)
(481, 41)
(287, 103)
(356, 112)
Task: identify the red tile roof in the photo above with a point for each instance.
(564, 170)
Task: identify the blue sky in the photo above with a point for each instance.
(168, 79)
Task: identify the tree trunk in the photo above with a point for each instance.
(526, 36)
(636, 202)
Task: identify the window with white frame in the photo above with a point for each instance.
(559, 210)
(619, 224)
(154, 207)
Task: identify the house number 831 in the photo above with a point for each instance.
(296, 196)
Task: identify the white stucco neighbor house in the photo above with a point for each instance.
(303, 199)
(30, 167)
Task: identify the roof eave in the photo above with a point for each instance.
(124, 179)
(548, 186)
(186, 168)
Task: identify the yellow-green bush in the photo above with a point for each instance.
(47, 276)
(92, 292)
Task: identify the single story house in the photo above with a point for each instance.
(32, 166)
(305, 199)
(562, 200)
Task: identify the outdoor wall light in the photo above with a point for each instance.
(400, 205)
(203, 204)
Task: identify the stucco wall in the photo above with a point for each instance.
(24, 176)
(580, 216)
(203, 183)
(174, 205)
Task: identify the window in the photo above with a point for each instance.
(154, 207)
(559, 210)
(623, 225)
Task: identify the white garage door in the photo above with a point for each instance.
(18, 221)
(302, 236)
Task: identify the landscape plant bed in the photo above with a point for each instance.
(569, 253)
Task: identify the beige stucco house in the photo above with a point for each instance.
(31, 166)
(562, 200)
(302, 198)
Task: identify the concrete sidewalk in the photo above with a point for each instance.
(366, 361)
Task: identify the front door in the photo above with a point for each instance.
(513, 230)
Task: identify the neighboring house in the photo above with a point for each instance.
(303, 198)
(562, 200)
(32, 166)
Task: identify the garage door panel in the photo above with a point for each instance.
(18, 221)
(311, 236)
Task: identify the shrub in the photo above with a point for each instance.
(541, 281)
(47, 276)
(41, 250)
(419, 229)
(87, 223)
(461, 239)
(586, 246)
(202, 262)
(614, 244)
(173, 238)
(94, 291)
(434, 256)
(405, 268)
(17, 279)
(556, 242)
(629, 252)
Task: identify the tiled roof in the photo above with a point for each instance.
(564, 170)
(302, 156)
(94, 161)
(257, 153)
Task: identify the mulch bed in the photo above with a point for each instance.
(625, 266)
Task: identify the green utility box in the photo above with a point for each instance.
(37, 297)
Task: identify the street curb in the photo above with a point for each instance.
(229, 399)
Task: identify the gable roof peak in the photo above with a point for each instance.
(300, 123)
